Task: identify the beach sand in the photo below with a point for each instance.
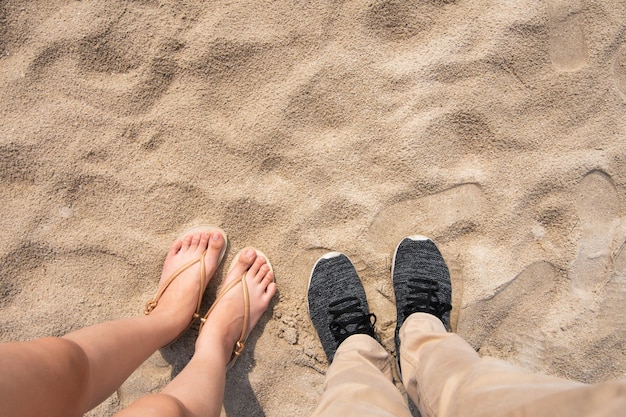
(496, 128)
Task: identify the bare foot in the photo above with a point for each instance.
(180, 299)
(226, 320)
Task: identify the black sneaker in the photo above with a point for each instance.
(337, 302)
(421, 283)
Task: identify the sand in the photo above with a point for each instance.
(496, 128)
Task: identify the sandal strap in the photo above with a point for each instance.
(241, 343)
(151, 305)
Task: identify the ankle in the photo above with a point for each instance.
(171, 324)
(213, 342)
(225, 323)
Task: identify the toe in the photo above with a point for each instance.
(215, 243)
(204, 241)
(243, 262)
(195, 241)
(186, 242)
(268, 278)
(262, 272)
(213, 248)
(175, 248)
(270, 291)
(253, 272)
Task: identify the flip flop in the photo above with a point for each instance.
(243, 337)
(151, 305)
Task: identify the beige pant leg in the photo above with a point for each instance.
(359, 382)
(445, 377)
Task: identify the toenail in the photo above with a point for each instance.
(250, 253)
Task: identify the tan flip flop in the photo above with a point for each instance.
(151, 305)
(243, 337)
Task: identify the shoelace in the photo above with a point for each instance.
(422, 298)
(349, 319)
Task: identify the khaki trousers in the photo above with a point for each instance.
(445, 377)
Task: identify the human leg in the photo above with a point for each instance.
(445, 377)
(199, 388)
(71, 374)
(359, 380)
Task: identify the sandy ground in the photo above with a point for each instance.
(496, 128)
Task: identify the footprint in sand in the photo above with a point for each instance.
(619, 71)
(567, 46)
(613, 304)
(447, 214)
(442, 216)
(509, 323)
(591, 348)
(598, 210)
(614, 301)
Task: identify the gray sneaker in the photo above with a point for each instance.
(421, 283)
(337, 302)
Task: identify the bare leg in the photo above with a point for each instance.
(199, 389)
(69, 375)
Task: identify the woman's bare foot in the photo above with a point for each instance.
(226, 320)
(180, 300)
